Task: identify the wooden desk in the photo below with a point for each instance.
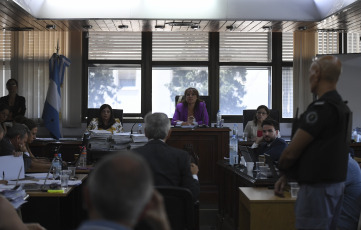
(229, 181)
(211, 145)
(56, 210)
(260, 209)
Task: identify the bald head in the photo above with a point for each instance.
(329, 68)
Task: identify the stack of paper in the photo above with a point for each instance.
(137, 138)
(99, 139)
(15, 196)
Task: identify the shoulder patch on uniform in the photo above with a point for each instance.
(319, 103)
(311, 117)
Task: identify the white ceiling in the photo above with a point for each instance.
(270, 10)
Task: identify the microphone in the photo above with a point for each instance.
(131, 130)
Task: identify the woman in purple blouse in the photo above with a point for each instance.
(191, 110)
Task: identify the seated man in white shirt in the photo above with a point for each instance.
(269, 143)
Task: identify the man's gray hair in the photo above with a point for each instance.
(17, 129)
(156, 126)
(120, 186)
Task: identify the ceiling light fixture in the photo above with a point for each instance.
(195, 27)
(123, 27)
(269, 28)
(301, 28)
(87, 27)
(159, 27)
(50, 27)
(230, 28)
(181, 23)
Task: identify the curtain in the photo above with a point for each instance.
(305, 49)
(30, 66)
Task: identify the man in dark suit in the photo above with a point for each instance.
(170, 166)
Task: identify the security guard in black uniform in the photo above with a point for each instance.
(318, 153)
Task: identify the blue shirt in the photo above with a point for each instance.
(351, 207)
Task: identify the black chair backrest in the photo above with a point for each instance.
(206, 99)
(94, 113)
(248, 115)
(179, 206)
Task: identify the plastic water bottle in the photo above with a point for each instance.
(233, 150)
(140, 129)
(235, 130)
(56, 166)
(219, 119)
(82, 160)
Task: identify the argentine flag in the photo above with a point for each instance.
(57, 65)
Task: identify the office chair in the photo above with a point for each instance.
(206, 99)
(182, 212)
(248, 115)
(94, 113)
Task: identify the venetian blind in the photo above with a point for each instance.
(180, 46)
(245, 47)
(327, 42)
(353, 43)
(115, 46)
(287, 46)
(5, 57)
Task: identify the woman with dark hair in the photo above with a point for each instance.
(13, 100)
(191, 110)
(4, 113)
(253, 128)
(37, 164)
(106, 121)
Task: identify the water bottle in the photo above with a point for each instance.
(219, 119)
(140, 129)
(56, 166)
(233, 150)
(235, 130)
(61, 161)
(82, 160)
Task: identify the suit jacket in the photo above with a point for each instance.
(170, 166)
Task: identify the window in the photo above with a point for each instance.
(114, 46)
(169, 82)
(5, 57)
(245, 47)
(180, 46)
(353, 43)
(287, 46)
(287, 92)
(244, 88)
(327, 42)
(118, 86)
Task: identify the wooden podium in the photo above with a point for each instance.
(211, 145)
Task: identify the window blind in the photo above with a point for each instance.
(115, 46)
(245, 47)
(327, 42)
(180, 46)
(287, 46)
(353, 43)
(5, 57)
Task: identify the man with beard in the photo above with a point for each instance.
(269, 143)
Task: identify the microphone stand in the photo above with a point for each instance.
(131, 130)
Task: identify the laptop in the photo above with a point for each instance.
(247, 154)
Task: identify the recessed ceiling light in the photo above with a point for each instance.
(195, 27)
(159, 27)
(50, 27)
(231, 28)
(122, 26)
(87, 27)
(301, 28)
(181, 23)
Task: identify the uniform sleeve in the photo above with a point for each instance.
(317, 118)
